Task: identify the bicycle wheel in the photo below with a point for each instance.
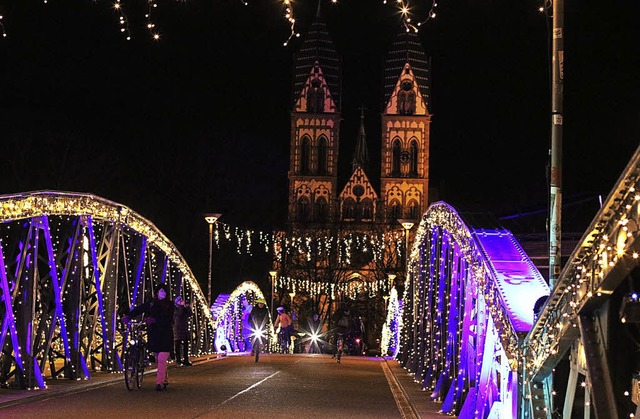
(257, 350)
(142, 363)
(130, 367)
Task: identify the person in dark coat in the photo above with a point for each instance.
(159, 317)
(259, 319)
(181, 315)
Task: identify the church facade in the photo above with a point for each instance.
(343, 241)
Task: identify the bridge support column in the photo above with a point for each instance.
(541, 401)
(594, 341)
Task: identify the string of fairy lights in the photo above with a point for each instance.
(118, 6)
(410, 20)
(345, 245)
(2, 29)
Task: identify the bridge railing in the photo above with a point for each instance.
(604, 256)
(577, 316)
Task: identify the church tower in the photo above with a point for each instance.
(404, 183)
(315, 125)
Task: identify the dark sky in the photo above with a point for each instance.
(199, 121)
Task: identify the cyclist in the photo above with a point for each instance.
(286, 327)
(159, 312)
(259, 321)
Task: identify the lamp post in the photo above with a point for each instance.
(408, 225)
(211, 220)
(391, 277)
(273, 284)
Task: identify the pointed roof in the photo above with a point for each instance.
(360, 154)
(407, 48)
(366, 190)
(317, 47)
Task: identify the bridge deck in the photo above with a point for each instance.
(420, 406)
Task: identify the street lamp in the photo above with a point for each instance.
(408, 225)
(273, 284)
(391, 277)
(211, 220)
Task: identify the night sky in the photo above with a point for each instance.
(199, 121)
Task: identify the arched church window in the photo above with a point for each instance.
(348, 209)
(367, 209)
(322, 156)
(315, 97)
(321, 209)
(414, 210)
(305, 156)
(413, 159)
(406, 98)
(395, 212)
(302, 209)
(396, 152)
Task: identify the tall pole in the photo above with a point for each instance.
(408, 225)
(210, 260)
(555, 193)
(211, 220)
(273, 286)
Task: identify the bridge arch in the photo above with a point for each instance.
(230, 311)
(70, 265)
(468, 299)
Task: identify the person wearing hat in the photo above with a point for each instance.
(286, 327)
(159, 317)
(259, 318)
(181, 315)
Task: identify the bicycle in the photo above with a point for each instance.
(136, 356)
(258, 335)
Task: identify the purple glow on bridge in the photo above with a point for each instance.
(519, 281)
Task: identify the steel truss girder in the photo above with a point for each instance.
(594, 340)
(605, 256)
(70, 265)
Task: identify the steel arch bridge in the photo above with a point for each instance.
(467, 331)
(468, 301)
(70, 266)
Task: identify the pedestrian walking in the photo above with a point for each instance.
(182, 313)
(159, 317)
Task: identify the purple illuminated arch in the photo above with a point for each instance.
(229, 312)
(468, 294)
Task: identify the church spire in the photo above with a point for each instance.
(360, 155)
(406, 49)
(317, 51)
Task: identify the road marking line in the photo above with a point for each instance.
(404, 406)
(249, 388)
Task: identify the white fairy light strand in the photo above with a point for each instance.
(309, 246)
(123, 21)
(2, 30)
(151, 27)
(405, 11)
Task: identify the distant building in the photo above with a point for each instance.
(355, 215)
